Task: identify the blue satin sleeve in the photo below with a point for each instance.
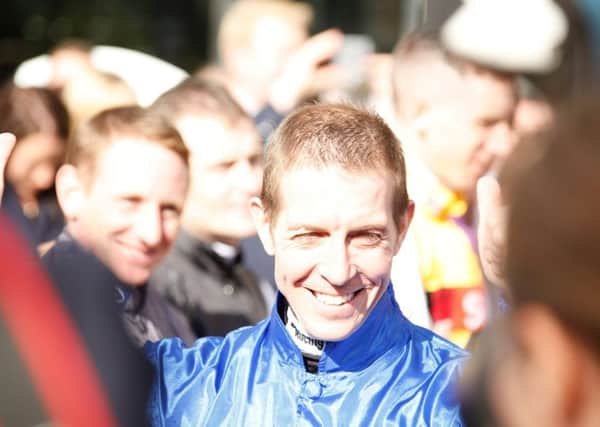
(175, 365)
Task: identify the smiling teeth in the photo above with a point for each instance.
(333, 299)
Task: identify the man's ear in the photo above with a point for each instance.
(403, 224)
(262, 223)
(70, 192)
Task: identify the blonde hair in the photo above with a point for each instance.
(94, 92)
(96, 134)
(334, 135)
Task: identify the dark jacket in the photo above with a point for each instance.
(64, 348)
(147, 316)
(217, 295)
(39, 229)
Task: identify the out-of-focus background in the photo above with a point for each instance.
(183, 32)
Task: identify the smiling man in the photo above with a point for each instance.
(206, 275)
(122, 193)
(336, 350)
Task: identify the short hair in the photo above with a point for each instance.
(95, 91)
(201, 97)
(341, 135)
(552, 185)
(421, 63)
(25, 111)
(239, 22)
(98, 133)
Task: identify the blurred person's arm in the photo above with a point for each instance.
(308, 71)
(7, 142)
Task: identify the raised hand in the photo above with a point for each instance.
(308, 71)
(491, 231)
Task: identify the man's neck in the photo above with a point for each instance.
(213, 239)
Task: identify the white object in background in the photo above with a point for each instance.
(511, 35)
(408, 284)
(148, 76)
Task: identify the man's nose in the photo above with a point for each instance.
(502, 139)
(335, 265)
(149, 226)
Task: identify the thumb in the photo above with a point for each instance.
(489, 196)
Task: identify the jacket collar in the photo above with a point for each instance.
(129, 298)
(384, 328)
(203, 253)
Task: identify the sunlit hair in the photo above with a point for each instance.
(26, 111)
(552, 185)
(93, 92)
(199, 97)
(422, 68)
(98, 133)
(321, 136)
(239, 22)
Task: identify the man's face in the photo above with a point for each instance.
(333, 240)
(131, 207)
(226, 172)
(274, 41)
(465, 134)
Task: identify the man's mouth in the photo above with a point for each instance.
(138, 255)
(335, 299)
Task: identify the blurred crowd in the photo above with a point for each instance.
(133, 192)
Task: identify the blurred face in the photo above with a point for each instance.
(274, 40)
(131, 208)
(226, 172)
(466, 134)
(33, 164)
(333, 240)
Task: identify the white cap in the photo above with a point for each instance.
(510, 35)
(147, 75)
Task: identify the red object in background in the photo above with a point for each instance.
(48, 342)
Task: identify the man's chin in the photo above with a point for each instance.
(332, 333)
(134, 277)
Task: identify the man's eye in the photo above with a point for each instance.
(367, 238)
(307, 239)
(224, 166)
(256, 160)
(128, 202)
(171, 211)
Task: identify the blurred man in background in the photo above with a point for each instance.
(122, 191)
(64, 353)
(269, 63)
(204, 274)
(455, 120)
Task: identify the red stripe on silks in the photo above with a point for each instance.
(50, 346)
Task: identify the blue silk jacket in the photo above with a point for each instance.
(388, 372)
